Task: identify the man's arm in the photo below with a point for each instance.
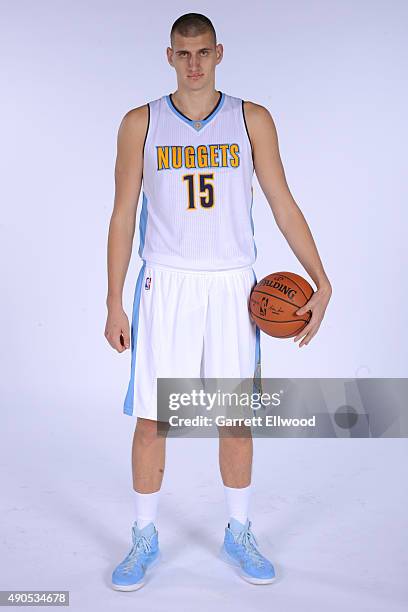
(288, 216)
(128, 179)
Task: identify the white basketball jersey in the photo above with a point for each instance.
(197, 188)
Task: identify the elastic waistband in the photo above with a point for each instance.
(156, 266)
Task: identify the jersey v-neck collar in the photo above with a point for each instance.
(197, 125)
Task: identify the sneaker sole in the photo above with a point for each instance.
(137, 585)
(224, 556)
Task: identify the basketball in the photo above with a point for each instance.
(274, 301)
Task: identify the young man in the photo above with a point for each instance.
(196, 150)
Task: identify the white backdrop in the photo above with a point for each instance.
(333, 75)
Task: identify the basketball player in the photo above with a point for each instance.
(196, 150)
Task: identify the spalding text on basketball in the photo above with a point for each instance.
(290, 293)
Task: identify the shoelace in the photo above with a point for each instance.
(247, 539)
(141, 544)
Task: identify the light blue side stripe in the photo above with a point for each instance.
(143, 224)
(192, 122)
(257, 364)
(252, 224)
(128, 404)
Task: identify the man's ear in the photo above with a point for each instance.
(169, 53)
(220, 52)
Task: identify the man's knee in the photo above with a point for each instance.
(239, 433)
(148, 430)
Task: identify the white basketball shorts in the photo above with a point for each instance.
(189, 324)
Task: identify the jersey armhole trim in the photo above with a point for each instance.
(246, 129)
(147, 128)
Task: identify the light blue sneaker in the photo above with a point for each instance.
(240, 550)
(129, 574)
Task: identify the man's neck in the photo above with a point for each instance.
(195, 104)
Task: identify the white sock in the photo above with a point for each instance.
(238, 502)
(146, 507)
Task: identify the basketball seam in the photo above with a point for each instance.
(276, 297)
(278, 321)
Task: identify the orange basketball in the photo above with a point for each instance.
(274, 301)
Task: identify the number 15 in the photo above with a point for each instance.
(206, 190)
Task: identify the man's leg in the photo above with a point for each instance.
(148, 459)
(235, 459)
(231, 351)
(240, 546)
(235, 456)
(148, 456)
(168, 331)
(148, 462)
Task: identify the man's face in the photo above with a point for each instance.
(194, 59)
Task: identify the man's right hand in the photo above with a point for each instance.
(117, 329)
